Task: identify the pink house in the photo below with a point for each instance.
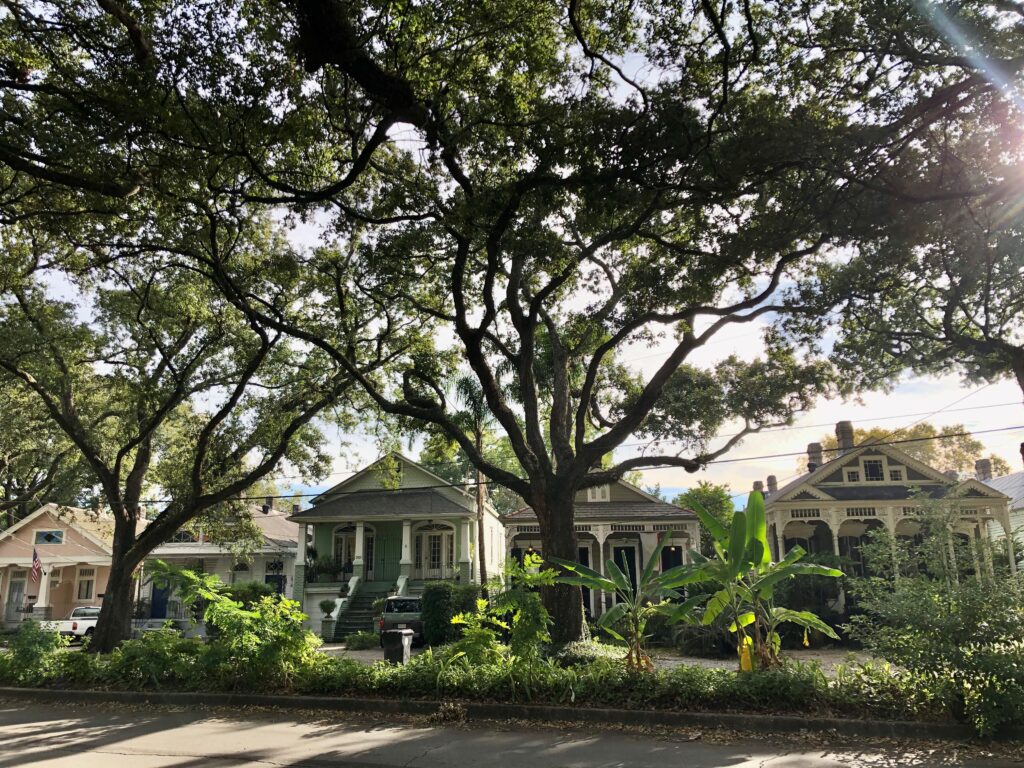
(74, 546)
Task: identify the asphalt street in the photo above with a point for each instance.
(143, 737)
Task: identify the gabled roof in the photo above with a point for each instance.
(440, 497)
(809, 478)
(401, 459)
(97, 527)
(597, 511)
(805, 484)
(1012, 485)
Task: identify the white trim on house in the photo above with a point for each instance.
(78, 581)
(63, 537)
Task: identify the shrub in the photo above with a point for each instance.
(584, 652)
(326, 607)
(963, 637)
(442, 601)
(361, 641)
(248, 593)
(32, 656)
(159, 659)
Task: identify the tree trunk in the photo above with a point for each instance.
(558, 537)
(481, 541)
(115, 620)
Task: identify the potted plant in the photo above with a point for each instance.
(327, 622)
(325, 569)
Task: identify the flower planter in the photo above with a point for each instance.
(327, 630)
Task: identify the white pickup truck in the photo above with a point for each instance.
(81, 622)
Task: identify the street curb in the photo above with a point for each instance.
(483, 711)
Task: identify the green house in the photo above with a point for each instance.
(389, 528)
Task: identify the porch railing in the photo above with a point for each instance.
(328, 571)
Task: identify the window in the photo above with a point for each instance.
(873, 470)
(861, 512)
(403, 605)
(597, 493)
(86, 582)
(49, 537)
(183, 537)
(896, 475)
(853, 476)
(55, 578)
(805, 513)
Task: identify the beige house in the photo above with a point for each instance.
(617, 522)
(836, 503)
(74, 547)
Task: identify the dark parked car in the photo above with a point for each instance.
(402, 613)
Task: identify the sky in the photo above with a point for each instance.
(939, 399)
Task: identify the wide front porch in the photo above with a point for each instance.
(60, 587)
(339, 558)
(844, 532)
(628, 545)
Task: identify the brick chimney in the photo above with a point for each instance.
(1022, 451)
(814, 459)
(773, 484)
(759, 486)
(268, 504)
(296, 509)
(983, 469)
(952, 474)
(844, 436)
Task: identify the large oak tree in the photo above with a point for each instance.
(553, 184)
(560, 184)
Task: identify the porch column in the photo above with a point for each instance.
(405, 564)
(1010, 553)
(41, 609)
(780, 541)
(357, 559)
(985, 542)
(648, 543)
(299, 567)
(972, 541)
(601, 535)
(464, 559)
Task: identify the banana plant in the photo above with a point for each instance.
(743, 569)
(653, 593)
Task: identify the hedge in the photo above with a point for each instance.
(440, 602)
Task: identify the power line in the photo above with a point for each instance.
(794, 428)
(945, 408)
(473, 484)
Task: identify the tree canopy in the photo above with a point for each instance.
(526, 192)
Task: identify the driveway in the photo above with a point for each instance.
(161, 737)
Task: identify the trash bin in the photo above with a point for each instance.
(398, 645)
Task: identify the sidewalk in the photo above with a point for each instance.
(160, 737)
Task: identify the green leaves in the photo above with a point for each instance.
(747, 577)
(634, 604)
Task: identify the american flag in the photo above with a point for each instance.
(37, 565)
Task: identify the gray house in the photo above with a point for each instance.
(616, 522)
